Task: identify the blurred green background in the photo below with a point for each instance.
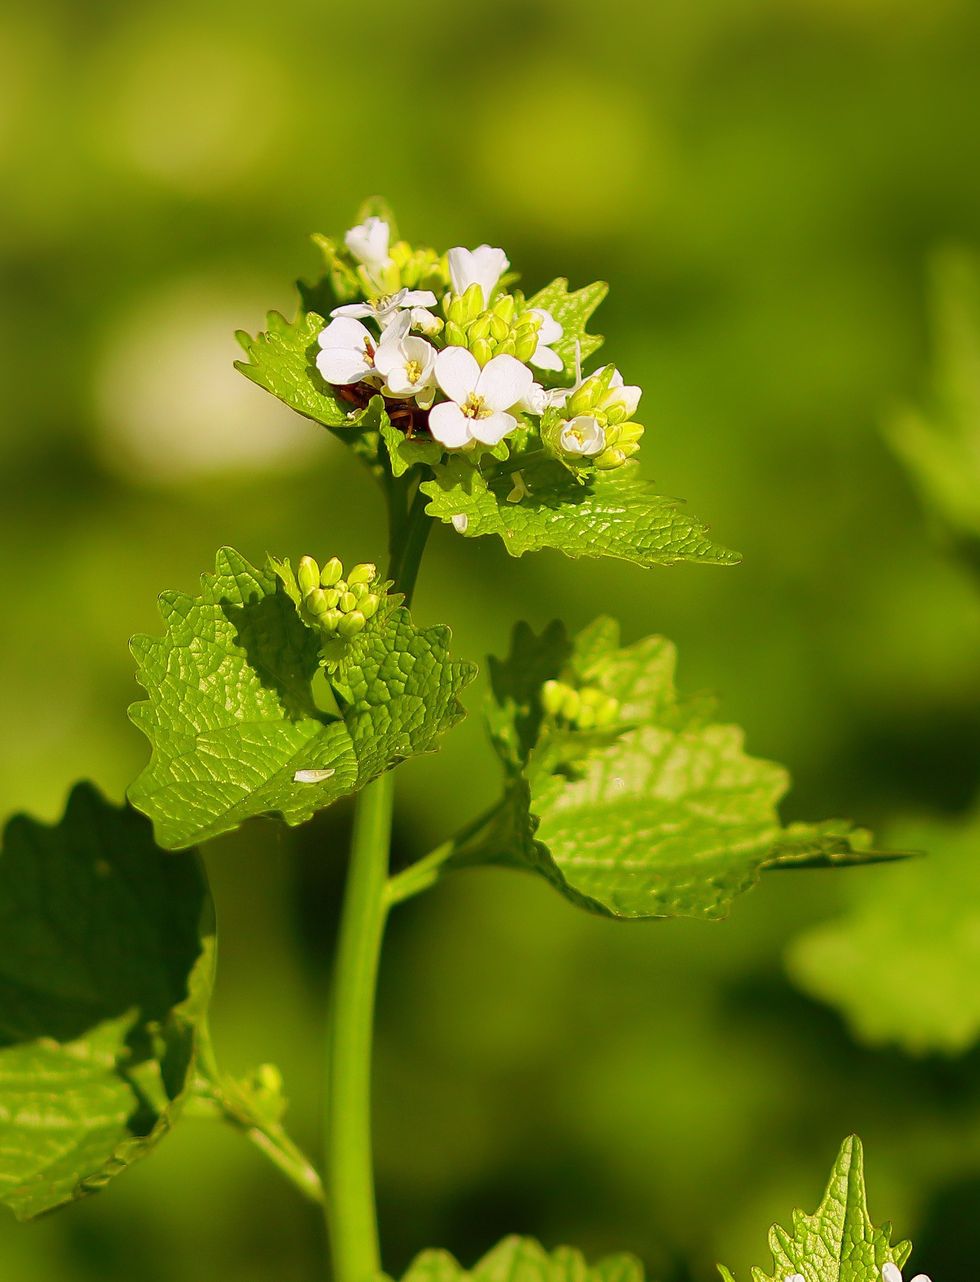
(763, 185)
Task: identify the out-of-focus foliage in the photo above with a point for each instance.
(763, 185)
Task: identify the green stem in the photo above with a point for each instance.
(350, 1205)
(425, 872)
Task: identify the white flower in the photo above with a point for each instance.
(482, 266)
(620, 396)
(385, 309)
(892, 1273)
(796, 1277)
(368, 242)
(407, 365)
(582, 435)
(346, 352)
(539, 399)
(478, 398)
(550, 332)
(461, 522)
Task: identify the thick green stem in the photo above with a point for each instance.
(349, 1172)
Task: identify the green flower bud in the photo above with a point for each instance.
(359, 591)
(331, 572)
(351, 624)
(307, 574)
(455, 335)
(571, 704)
(455, 309)
(504, 308)
(366, 572)
(472, 302)
(331, 596)
(552, 696)
(482, 350)
(369, 605)
(524, 346)
(507, 348)
(499, 328)
(316, 603)
(607, 711)
(332, 620)
(348, 602)
(610, 459)
(586, 718)
(615, 414)
(480, 328)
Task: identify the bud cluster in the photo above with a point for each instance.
(586, 708)
(605, 401)
(335, 605)
(505, 329)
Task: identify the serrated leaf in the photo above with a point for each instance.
(106, 966)
(838, 1243)
(520, 1259)
(660, 815)
(232, 714)
(572, 311)
(902, 963)
(283, 361)
(404, 453)
(613, 514)
(940, 445)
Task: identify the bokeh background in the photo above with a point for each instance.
(763, 184)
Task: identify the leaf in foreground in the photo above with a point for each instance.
(838, 1243)
(233, 715)
(518, 1259)
(611, 514)
(903, 962)
(657, 812)
(106, 965)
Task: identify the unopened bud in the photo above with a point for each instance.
(351, 624)
(366, 572)
(331, 596)
(552, 697)
(586, 717)
(316, 603)
(307, 574)
(348, 602)
(332, 620)
(525, 345)
(610, 459)
(359, 591)
(331, 572)
(506, 348)
(369, 605)
(473, 302)
(607, 711)
(482, 350)
(499, 328)
(571, 704)
(455, 335)
(504, 307)
(480, 328)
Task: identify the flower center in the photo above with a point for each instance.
(413, 371)
(475, 407)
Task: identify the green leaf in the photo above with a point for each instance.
(838, 1243)
(612, 514)
(660, 815)
(232, 713)
(940, 446)
(283, 361)
(518, 1259)
(902, 962)
(572, 311)
(404, 453)
(106, 966)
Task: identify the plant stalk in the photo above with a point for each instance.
(350, 1206)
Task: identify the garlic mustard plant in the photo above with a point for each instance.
(278, 687)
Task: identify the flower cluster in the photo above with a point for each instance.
(586, 709)
(335, 605)
(460, 358)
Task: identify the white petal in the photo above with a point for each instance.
(460, 522)
(545, 358)
(416, 298)
(550, 330)
(449, 425)
(457, 372)
(353, 309)
(389, 357)
(395, 324)
(492, 430)
(921, 1277)
(425, 320)
(582, 435)
(368, 242)
(503, 382)
(417, 349)
(482, 266)
(345, 332)
(891, 1273)
(342, 365)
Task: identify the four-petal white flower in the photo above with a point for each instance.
(368, 242)
(482, 266)
(388, 306)
(621, 395)
(407, 364)
(346, 352)
(582, 435)
(478, 398)
(550, 332)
